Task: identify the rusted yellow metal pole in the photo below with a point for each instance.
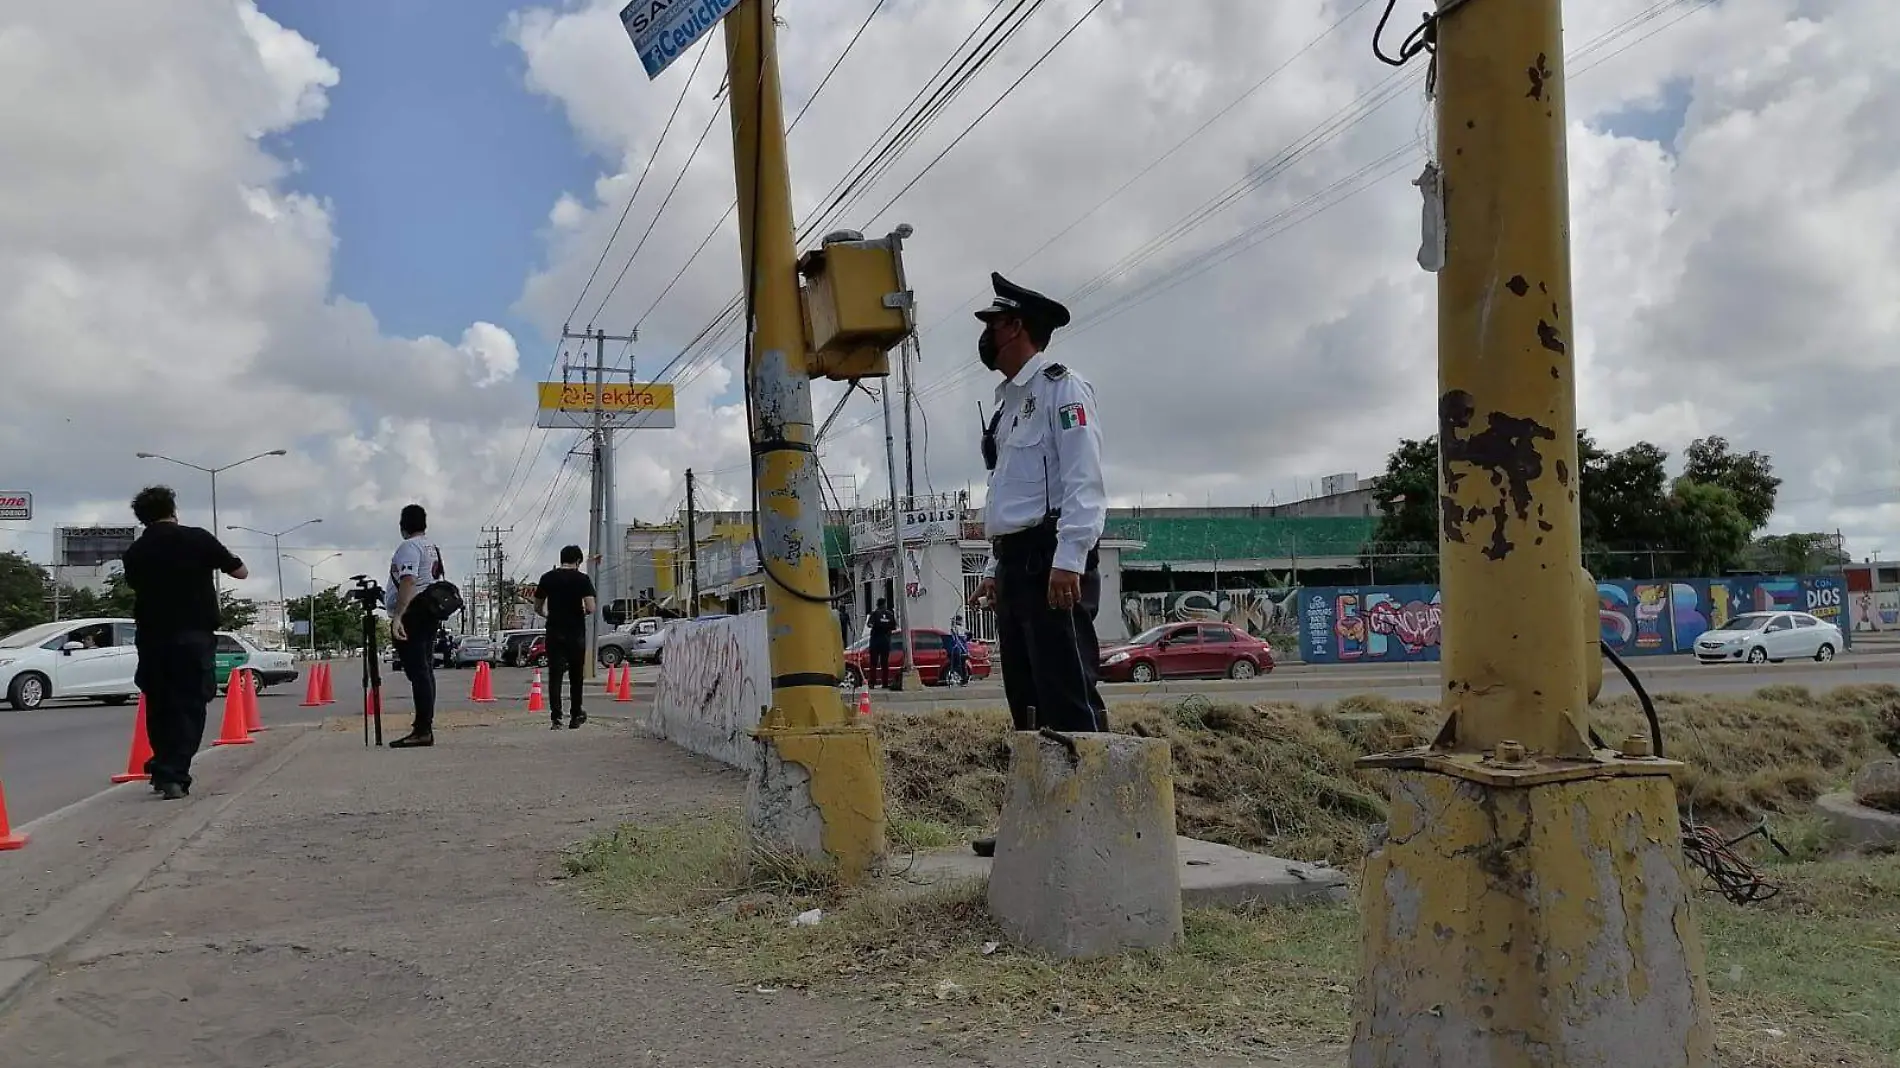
(1528, 905)
(817, 790)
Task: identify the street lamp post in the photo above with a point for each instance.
(213, 472)
(277, 551)
(281, 557)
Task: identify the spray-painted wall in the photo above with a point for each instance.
(715, 681)
(1874, 609)
(1388, 624)
(1258, 612)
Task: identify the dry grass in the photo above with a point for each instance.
(1804, 981)
(1280, 778)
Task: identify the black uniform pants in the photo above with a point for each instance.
(177, 673)
(417, 655)
(566, 656)
(1051, 658)
(878, 662)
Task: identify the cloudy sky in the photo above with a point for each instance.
(354, 230)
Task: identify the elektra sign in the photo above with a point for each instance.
(662, 29)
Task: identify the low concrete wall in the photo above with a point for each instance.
(715, 682)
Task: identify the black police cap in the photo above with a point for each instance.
(1026, 304)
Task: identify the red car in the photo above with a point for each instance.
(1187, 650)
(931, 660)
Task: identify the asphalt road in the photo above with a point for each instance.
(67, 752)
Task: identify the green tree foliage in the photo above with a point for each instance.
(1635, 522)
(234, 612)
(117, 600)
(22, 593)
(339, 622)
(1749, 476)
(1795, 554)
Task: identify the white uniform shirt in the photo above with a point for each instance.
(417, 558)
(1048, 459)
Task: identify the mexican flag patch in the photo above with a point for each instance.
(1072, 416)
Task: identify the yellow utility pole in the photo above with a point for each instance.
(817, 792)
(1528, 904)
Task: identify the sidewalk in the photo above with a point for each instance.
(383, 909)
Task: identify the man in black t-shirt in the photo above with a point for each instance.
(170, 570)
(565, 597)
(882, 623)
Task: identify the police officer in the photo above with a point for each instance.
(1043, 516)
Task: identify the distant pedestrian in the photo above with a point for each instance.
(881, 624)
(565, 598)
(170, 569)
(844, 626)
(414, 619)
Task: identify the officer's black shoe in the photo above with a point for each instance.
(171, 791)
(983, 847)
(579, 718)
(556, 724)
(413, 741)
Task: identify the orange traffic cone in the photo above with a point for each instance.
(625, 693)
(864, 699)
(233, 732)
(313, 689)
(8, 840)
(329, 695)
(483, 690)
(253, 723)
(613, 679)
(141, 750)
(535, 703)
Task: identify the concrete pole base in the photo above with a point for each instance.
(1085, 855)
(1546, 925)
(815, 795)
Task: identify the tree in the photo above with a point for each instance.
(1796, 554)
(1748, 476)
(339, 622)
(117, 600)
(22, 593)
(1621, 496)
(234, 612)
(1706, 528)
(1404, 546)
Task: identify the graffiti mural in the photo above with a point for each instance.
(715, 681)
(1258, 612)
(1391, 624)
(1874, 610)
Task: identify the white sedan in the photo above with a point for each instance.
(93, 658)
(1770, 636)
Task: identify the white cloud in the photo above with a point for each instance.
(162, 289)
(1730, 275)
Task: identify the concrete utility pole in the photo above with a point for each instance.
(600, 513)
(910, 463)
(837, 777)
(900, 595)
(692, 544)
(494, 562)
(1529, 902)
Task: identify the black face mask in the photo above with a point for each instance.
(986, 349)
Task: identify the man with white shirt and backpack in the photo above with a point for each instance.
(419, 598)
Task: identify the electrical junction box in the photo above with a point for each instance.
(855, 304)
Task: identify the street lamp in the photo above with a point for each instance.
(278, 552)
(281, 557)
(213, 472)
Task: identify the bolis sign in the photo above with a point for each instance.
(16, 504)
(662, 29)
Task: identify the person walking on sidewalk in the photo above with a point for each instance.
(881, 624)
(416, 565)
(1044, 515)
(175, 604)
(565, 598)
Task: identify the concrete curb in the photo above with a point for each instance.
(31, 951)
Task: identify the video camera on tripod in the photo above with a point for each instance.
(368, 595)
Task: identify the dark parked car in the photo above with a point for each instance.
(1187, 651)
(514, 646)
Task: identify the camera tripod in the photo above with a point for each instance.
(368, 594)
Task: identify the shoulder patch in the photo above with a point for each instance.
(1055, 372)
